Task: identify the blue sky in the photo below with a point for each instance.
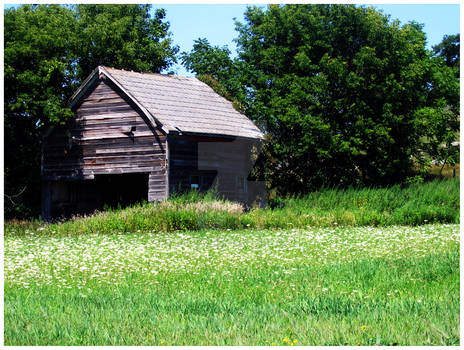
(216, 22)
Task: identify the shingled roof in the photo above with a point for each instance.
(177, 104)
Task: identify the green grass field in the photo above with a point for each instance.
(394, 285)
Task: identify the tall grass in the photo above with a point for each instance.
(416, 204)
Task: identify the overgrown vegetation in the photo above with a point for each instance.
(416, 204)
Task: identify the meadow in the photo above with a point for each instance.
(326, 286)
(331, 284)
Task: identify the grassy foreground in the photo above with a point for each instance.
(320, 286)
(417, 204)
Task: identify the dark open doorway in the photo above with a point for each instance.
(122, 189)
(69, 198)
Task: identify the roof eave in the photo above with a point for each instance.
(84, 87)
(259, 137)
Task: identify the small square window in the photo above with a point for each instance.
(195, 181)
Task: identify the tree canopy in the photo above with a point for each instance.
(347, 96)
(49, 50)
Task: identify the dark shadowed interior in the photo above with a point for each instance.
(105, 191)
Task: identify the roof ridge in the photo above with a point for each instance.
(150, 73)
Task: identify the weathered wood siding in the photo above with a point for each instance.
(223, 164)
(108, 136)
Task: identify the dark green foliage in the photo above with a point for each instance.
(347, 96)
(448, 49)
(339, 88)
(37, 78)
(440, 121)
(49, 49)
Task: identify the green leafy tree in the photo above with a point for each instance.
(440, 120)
(37, 59)
(207, 59)
(343, 92)
(49, 49)
(125, 37)
(448, 49)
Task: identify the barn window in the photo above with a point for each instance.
(195, 181)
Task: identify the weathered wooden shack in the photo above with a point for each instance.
(142, 136)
